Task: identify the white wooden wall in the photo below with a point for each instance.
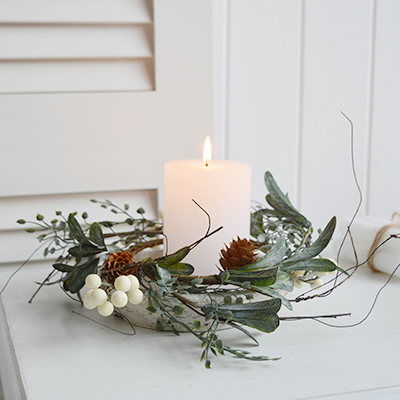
(284, 71)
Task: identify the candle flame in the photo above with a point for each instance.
(207, 151)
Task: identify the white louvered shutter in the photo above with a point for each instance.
(49, 46)
(82, 114)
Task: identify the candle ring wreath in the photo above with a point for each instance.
(162, 293)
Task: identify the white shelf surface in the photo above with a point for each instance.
(61, 355)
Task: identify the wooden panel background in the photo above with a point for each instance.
(290, 68)
(54, 46)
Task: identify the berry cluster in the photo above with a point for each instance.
(127, 289)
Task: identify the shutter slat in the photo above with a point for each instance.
(76, 76)
(50, 46)
(27, 42)
(16, 245)
(75, 11)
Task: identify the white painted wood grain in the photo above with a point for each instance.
(94, 11)
(336, 53)
(384, 189)
(289, 81)
(262, 92)
(76, 47)
(72, 76)
(220, 76)
(60, 42)
(11, 386)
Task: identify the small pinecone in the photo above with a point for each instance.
(239, 253)
(117, 261)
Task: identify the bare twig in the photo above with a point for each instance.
(313, 317)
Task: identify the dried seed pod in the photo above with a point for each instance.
(239, 253)
(115, 264)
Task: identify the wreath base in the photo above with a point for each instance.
(139, 315)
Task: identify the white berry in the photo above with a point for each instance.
(134, 282)
(88, 302)
(298, 283)
(98, 296)
(316, 283)
(119, 298)
(106, 309)
(261, 238)
(122, 283)
(135, 296)
(93, 281)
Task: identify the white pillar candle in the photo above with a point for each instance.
(222, 188)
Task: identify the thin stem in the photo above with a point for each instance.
(142, 232)
(188, 303)
(313, 317)
(42, 284)
(20, 267)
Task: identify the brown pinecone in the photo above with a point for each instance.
(113, 266)
(239, 253)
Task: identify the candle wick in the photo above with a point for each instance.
(206, 164)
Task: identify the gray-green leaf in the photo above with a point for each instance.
(316, 247)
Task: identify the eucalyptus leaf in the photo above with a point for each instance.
(63, 267)
(160, 325)
(96, 235)
(224, 276)
(178, 268)
(163, 275)
(174, 258)
(245, 331)
(227, 299)
(75, 230)
(259, 315)
(315, 264)
(265, 277)
(174, 331)
(274, 294)
(281, 202)
(274, 189)
(178, 310)
(284, 210)
(75, 279)
(272, 258)
(264, 323)
(219, 345)
(85, 249)
(226, 314)
(271, 305)
(283, 282)
(209, 315)
(316, 248)
(196, 324)
(151, 309)
(245, 284)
